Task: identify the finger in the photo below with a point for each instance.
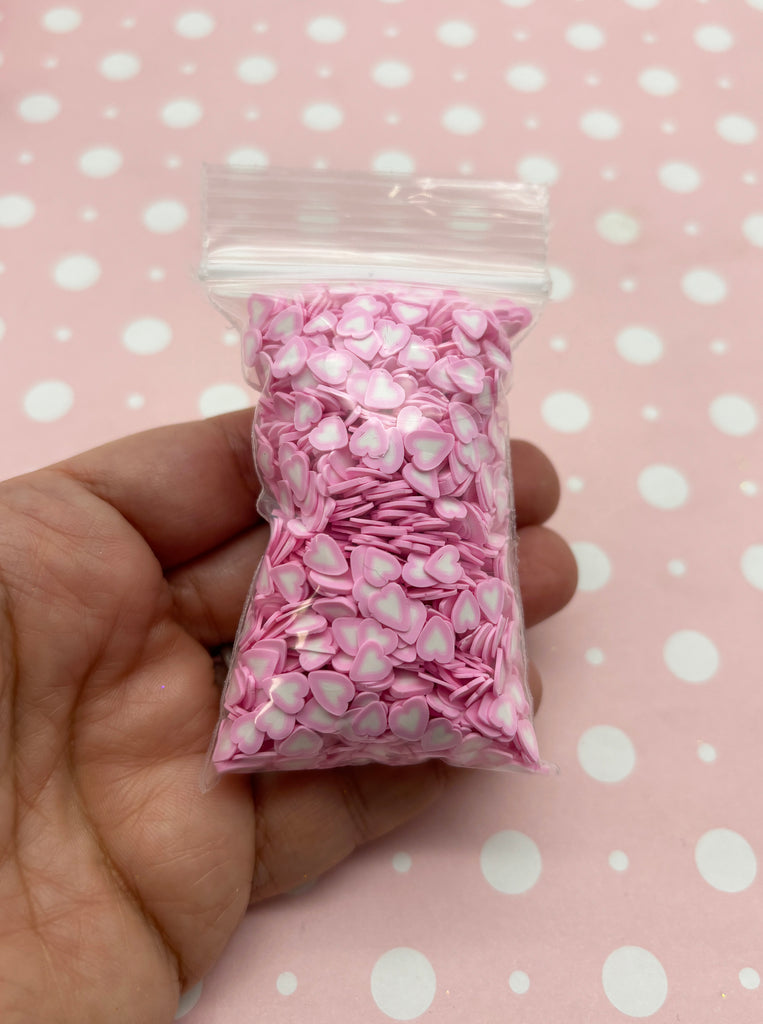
(307, 822)
(536, 484)
(548, 573)
(209, 593)
(186, 488)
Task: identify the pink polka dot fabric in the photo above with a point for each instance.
(629, 886)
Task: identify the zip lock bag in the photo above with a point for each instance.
(378, 315)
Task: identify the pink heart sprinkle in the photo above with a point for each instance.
(440, 735)
(288, 692)
(357, 324)
(318, 718)
(503, 715)
(370, 438)
(417, 355)
(382, 392)
(296, 472)
(370, 720)
(263, 662)
(472, 322)
(409, 418)
(424, 483)
(365, 348)
(393, 336)
(408, 313)
(307, 411)
(259, 307)
(414, 573)
(245, 734)
(409, 719)
(371, 663)
(346, 632)
(329, 435)
(251, 344)
(428, 448)
(325, 321)
(286, 324)
(273, 721)
(290, 580)
(445, 564)
(409, 684)
(372, 630)
(466, 612)
(490, 596)
(290, 359)
(393, 458)
(330, 365)
(463, 421)
(465, 344)
(467, 375)
(332, 690)
(437, 641)
(323, 554)
(418, 618)
(449, 508)
(302, 743)
(391, 607)
(380, 567)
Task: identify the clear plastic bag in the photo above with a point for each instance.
(377, 318)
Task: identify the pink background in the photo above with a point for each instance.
(628, 886)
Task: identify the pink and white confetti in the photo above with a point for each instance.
(384, 622)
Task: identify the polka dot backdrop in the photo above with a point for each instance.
(628, 886)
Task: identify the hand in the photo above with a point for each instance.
(120, 882)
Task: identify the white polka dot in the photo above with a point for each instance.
(749, 978)
(147, 336)
(676, 567)
(257, 70)
(222, 398)
(63, 333)
(76, 272)
(663, 486)
(38, 108)
(538, 170)
(618, 227)
(519, 982)
(725, 860)
(392, 74)
(566, 411)
(629, 284)
(403, 983)
(752, 565)
(157, 274)
(392, 117)
(456, 33)
(757, 5)
(100, 161)
(322, 117)
(606, 753)
(706, 752)
(394, 161)
(594, 656)
(639, 345)
(634, 981)
(135, 401)
(752, 228)
(618, 860)
(575, 484)
(326, 29)
(111, 112)
(658, 81)
(600, 124)
(182, 113)
(248, 156)
(714, 38)
(165, 216)
(594, 567)
(118, 67)
(679, 177)
(650, 413)
(194, 25)
(559, 344)
(188, 1000)
(61, 19)
(510, 862)
(462, 119)
(584, 36)
(2, 328)
(737, 128)
(517, 3)
(286, 983)
(401, 862)
(707, 287)
(15, 211)
(526, 77)
(691, 656)
(562, 284)
(48, 400)
(734, 415)
(643, 5)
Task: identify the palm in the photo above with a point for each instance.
(123, 881)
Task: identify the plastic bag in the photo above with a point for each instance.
(377, 317)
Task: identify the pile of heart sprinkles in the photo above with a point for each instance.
(383, 623)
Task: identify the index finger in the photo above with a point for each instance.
(186, 488)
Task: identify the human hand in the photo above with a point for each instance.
(120, 569)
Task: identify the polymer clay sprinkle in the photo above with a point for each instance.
(383, 622)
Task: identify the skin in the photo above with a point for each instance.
(120, 569)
